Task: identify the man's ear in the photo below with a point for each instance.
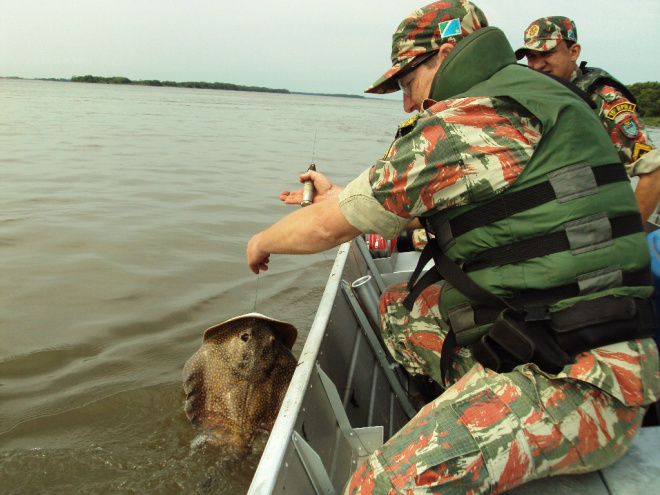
(575, 52)
(445, 48)
(443, 51)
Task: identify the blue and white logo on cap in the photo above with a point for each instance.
(450, 28)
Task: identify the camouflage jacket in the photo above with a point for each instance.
(461, 151)
(619, 117)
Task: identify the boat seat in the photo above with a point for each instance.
(637, 472)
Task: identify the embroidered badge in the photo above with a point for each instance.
(450, 28)
(640, 150)
(620, 108)
(407, 126)
(571, 35)
(410, 122)
(533, 31)
(629, 127)
(402, 130)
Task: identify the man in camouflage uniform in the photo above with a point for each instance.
(489, 431)
(551, 46)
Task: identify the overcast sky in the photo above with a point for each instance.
(333, 46)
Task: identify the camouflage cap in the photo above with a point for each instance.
(423, 31)
(545, 33)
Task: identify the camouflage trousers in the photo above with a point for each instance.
(488, 432)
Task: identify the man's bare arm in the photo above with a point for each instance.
(647, 193)
(309, 230)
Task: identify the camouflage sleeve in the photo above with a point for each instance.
(363, 212)
(627, 131)
(461, 151)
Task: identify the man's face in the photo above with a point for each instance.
(559, 61)
(416, 86)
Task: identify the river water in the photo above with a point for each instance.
(124, 216)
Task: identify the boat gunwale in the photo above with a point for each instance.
(270, 465)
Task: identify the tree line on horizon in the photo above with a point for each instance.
(646, 93)
(173, 84)
(648, 98)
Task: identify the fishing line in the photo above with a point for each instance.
(256, 295)
(314, 145)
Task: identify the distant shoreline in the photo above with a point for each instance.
(172, 84)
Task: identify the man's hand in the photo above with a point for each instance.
(257, 259)
(323, 189)
(310, 230)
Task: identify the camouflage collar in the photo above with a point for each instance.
(474, 59)
(577, 74)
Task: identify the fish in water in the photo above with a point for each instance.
(236, 381)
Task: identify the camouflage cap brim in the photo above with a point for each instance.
(387, 82)
(537, 46)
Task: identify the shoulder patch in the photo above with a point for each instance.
(629, 127)
(640, 150)
(620, 108)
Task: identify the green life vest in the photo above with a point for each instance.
(568, 229)
(590, 78)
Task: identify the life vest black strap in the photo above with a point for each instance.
(542, 299)
(423, 260)
(539, 194)
(546, 244)
(449, 270)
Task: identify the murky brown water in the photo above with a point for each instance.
(124, 216)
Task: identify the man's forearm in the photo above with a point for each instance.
(647, 193)
(313, 229)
